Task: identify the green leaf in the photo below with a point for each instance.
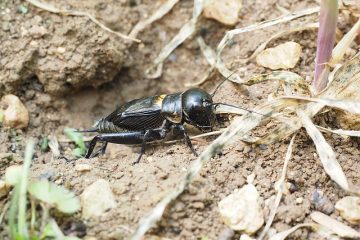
(2, 115)
(78, 139)
(52, 230)
(55, 195)
(13, 174)
(19, 236)
(44, 144)
(23, 9)
(78, 152)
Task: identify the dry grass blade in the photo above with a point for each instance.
(230, 34)
(53, 9)
(344, 85)
(340, 49)
(326, 153)
(281, 132)
(350, 106)
(156, 70)
(217, 63)
(346, 76)
(210, 56)
(280, 191)
(334, 226)
(291, 78)
(350, 133)
(261, 47)
(284, 234)
(162, 11)
(192, 137)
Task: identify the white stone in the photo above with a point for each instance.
(299, 200)
(225, 11)
(349, 209)
(61, 50)
(246, 237)
(241, 210)
(16, 115)
(283, 56)
(97, 199)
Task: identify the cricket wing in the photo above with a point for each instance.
(140, 114)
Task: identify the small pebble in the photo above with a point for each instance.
(322, 203)
(97, 199)
(263, 146)
(299, 200)
(283, 56)
(226, 234)
(247, 149)
(349, 208)
(37, 31)
(225, 11)
(163, 175)
(292, 187)
(16, 115)
(59, 181)
(241, 210)
(246, 237)
(61, 50)
(82, 167)
(198, 205)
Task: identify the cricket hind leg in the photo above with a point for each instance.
(101, 150)
(117, 138)
(136, 137)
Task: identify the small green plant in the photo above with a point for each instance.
(44, 144)
(79, 141)
(2, 115)
(23, 9)
(42, 192)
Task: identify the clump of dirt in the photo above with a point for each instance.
(46, 54)
(62, 52)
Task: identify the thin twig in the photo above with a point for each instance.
(53, 9)
(280, 190)
(160, 12)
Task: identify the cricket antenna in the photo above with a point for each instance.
(219, 85)
(228, 108)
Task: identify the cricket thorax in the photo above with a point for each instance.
(172, 108)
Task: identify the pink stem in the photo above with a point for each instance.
(325, 41)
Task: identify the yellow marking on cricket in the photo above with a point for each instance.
(159, 99)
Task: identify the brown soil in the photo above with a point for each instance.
(69, 73)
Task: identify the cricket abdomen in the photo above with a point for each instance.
(104, 126)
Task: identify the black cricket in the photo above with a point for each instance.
(151, 118)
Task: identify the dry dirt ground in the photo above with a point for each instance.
(69, 73)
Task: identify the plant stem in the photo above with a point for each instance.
(325, 42)
(22, 228)
(33, 216)
(13, 210)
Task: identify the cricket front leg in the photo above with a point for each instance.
(188, 142)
